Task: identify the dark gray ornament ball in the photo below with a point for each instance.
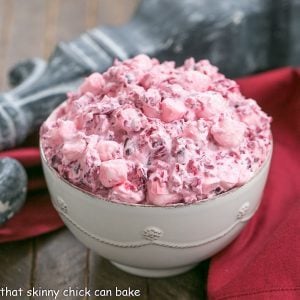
(13, 188)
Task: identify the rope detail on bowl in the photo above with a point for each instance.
(153, 238)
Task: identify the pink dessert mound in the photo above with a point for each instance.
(150, 133)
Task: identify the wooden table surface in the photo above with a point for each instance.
(57, 260)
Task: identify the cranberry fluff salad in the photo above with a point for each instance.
(146, 132)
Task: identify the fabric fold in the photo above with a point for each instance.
(264, 261)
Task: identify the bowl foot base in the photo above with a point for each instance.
(154, 273)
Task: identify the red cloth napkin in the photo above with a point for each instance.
(38, 215)
(264, 261)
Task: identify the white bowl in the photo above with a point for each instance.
(155, 241)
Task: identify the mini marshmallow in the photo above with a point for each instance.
(67, 130)
(126, 192)
(113, 172)
(158, 194)
(228, 132)
(130, 120)
(109, 150)
(92, 84)
(73, 150)
(172, 110)
(211, 104)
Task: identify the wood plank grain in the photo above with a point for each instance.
(71, 20)
(60, 263)
(188, 286)
(126, 9)
(116, 12)
(104, 276)
(61, 16)
(92, 13)
(27, 34)
(15, 262)
(50, 31)
(6, 20)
